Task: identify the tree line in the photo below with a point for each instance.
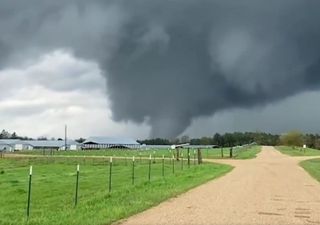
(7, 135)
(225, 140)
(296, 138)
(291, 138)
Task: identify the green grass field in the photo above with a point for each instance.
(105, 152)
(213, 153)
(238, 153)
(53, 188)
(298, 151)
(312, 166)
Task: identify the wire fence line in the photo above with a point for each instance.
(217, 152)
(83, 175)
(117, 173)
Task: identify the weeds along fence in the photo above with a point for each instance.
(225, 152)
(81, 177)
(101, 152)
(239, 149)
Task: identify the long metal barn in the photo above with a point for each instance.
(109, 142)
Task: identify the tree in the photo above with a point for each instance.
(292, 138)
(205, 141)
(156, 141)
(310, 140)
(42, 138)
(195, 141)
(14, 136)
(5, 134)
(317, 143)
(217, 139)
(80, 140)
(229, 139)
(185, 139)
(174, 141)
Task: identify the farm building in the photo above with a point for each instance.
(18, 145)
(57, 145)
(14, 144)
(109, 142)
(5, 147)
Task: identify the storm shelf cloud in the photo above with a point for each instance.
(169, 62)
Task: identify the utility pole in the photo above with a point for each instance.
(65, 138)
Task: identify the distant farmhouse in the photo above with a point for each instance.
(90, 144)
(109, 142)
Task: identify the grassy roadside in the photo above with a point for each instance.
(54, 186)
(298, 151)
(312, 166)
(249, 153)
(238, 153)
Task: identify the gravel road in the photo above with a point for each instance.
(270, 189)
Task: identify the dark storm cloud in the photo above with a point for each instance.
(171, 61)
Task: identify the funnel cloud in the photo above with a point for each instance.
(169, 62)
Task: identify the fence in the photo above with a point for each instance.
(227, 152)
(130, 169)
(113, 173)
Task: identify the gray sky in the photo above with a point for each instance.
(159, 68)
(35, 107)
(37, 99)
(296, 112)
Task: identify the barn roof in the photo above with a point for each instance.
(11, 141)
(49, 143)
(111, 140)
